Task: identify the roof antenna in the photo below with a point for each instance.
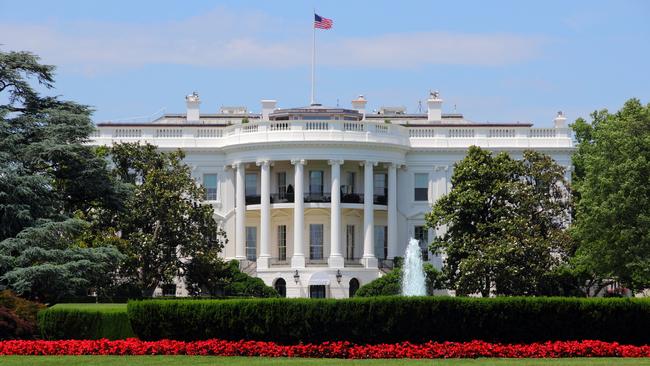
(419, 106)
(337, 102)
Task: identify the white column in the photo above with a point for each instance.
(392, 211)
(240, 211)
(298, 258)
(336, 257)
(265, 215)
(369, 259)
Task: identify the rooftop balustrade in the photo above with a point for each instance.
(193, 135)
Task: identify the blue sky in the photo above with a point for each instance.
(497, 61)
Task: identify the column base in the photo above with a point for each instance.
(263, 262)
(370, 262)
(336, 261)
(298, 261)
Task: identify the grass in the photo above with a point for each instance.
(105, 308)
(254, 361)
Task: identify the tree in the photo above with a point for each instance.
(504, 222)
(612, 183)
(44, 263)
(47, 176)
(45, 169)
(164, 223)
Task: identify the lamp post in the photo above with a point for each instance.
(296, 276)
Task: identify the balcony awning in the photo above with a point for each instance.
(320, 278)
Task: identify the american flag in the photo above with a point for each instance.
(322, 23)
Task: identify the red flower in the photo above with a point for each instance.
(216, 347)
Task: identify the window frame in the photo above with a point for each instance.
(420, 194)
(316, 248)
(282, 242)
(251, 249)
(207, 196)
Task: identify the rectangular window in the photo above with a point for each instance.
(349, 183)
(251, 184)
(282, 242)
(251, 243)
(421, 192)
(381, 242)
(210, 185)
(316, 182)
(420, 233)
(282, 184)
(317, 291)
(315, 241)
(349, 242)
(379, 184)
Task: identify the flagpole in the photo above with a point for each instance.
(313, 58)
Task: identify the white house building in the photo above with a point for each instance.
(317, 201)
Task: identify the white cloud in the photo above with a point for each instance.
(222, 38)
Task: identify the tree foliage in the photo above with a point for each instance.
(504, 222)
(164, 223)
(45, 263)
(47, 176)
(612, 181)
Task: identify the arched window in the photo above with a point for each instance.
(354, 286)
(281, 287)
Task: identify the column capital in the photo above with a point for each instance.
(236, 164)
(395, 165)
(335, 162)
(368, 162)
(264, 162)
(299, 161)
(441, 168)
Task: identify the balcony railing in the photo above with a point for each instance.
(319, 197)
(253, 199)
(282, 198)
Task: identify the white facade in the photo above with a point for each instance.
(320, 197)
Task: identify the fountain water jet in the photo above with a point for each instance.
(413, 278)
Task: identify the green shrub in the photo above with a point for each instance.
(391, 283)
(85, 321)
(386, 285)
(394, 319)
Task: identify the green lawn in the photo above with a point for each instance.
(253, 361)
(116, 308)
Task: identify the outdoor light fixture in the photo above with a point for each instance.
(338, 275)
(296, 276)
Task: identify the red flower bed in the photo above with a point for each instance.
(217, 347)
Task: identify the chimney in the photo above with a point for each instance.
(434, 107)
(193, 102)
(560, 120)
(268, 106)
(360, 105)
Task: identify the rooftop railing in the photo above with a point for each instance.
(194, 135)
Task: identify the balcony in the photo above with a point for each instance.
(282, 198)
(253, 199)
(318, 197)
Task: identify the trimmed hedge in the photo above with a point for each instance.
(85, 321)
(394, 319)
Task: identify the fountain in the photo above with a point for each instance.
(413, 278)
